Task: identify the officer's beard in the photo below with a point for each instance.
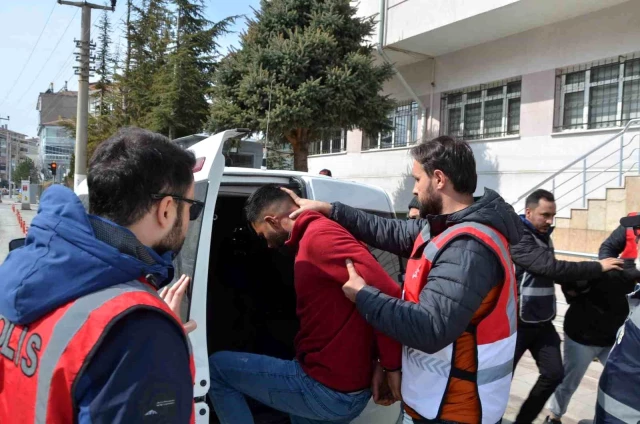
(432, 204)
(174, 240)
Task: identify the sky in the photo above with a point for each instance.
(23, 28)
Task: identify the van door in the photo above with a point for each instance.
(193, 260)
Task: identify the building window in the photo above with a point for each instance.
(404, 133)
(486, 111)
(598, 95)
(331, 141)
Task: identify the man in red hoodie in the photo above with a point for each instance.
(338, 354)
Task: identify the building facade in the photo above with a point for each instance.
(532, 85)
(17, 141)
(56, 143)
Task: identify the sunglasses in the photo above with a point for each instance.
(196, 206)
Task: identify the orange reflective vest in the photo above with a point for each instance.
(426, 377)
(41, 362)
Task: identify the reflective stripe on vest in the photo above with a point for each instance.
(631, 247)
(537, 294)
(426, 376)
(58, 348)
(619, 386)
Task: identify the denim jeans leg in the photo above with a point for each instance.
(280, 384)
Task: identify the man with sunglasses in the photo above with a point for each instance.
(84, 335)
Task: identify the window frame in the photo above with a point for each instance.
(585, 86)
(316, 148)
(460, 100)
(408, 111)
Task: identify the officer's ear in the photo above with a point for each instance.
(439, 178)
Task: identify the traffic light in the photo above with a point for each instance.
(53, 167)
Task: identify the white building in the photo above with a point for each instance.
(532, 85)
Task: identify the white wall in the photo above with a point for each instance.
(511, 165)
(408, 18)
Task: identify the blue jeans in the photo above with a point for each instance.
(577, 358)
(280, 384)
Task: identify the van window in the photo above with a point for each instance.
(185, 262)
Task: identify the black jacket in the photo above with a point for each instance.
(528, 255)
(535, 256)
(598, 308)
(613, 246)
(461, 277)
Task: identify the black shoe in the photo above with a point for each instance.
(552, 420)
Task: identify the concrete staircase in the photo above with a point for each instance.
(587, 228)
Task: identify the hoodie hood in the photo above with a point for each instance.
(491, 210)
(69, 254)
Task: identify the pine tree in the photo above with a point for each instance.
(104, 60)
(314, 58)
(181, 87)
(149, 41)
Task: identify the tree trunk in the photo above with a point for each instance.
(300, 153)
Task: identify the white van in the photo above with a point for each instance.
(242, 295)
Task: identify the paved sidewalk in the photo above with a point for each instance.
(583, 403)
(9, 228)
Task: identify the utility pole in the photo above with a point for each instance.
(8, 161)
(83, 71)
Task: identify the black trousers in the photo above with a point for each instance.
(543, 342)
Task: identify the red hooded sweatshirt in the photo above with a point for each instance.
(335, 345)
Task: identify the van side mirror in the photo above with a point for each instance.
(15, 244)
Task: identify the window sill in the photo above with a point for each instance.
(328, 154)
(569, 133)
(493, 139)
(390, 149)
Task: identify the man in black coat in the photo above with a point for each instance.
(597, 309)
(537, 270)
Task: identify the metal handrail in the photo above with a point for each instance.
(577, 254)
(600, 186)
(586, 180)
(633, 122)
(595, 163)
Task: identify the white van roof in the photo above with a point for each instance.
(319, 187)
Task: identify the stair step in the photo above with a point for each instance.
(596, 215)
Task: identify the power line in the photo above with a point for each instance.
(30, 55)
(66, 62)
(50, 55)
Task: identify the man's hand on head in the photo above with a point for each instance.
(307, 205)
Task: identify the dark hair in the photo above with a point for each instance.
(453, 157)
(129, 167)
(534, 198)
(326, 171)
(263, 198)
